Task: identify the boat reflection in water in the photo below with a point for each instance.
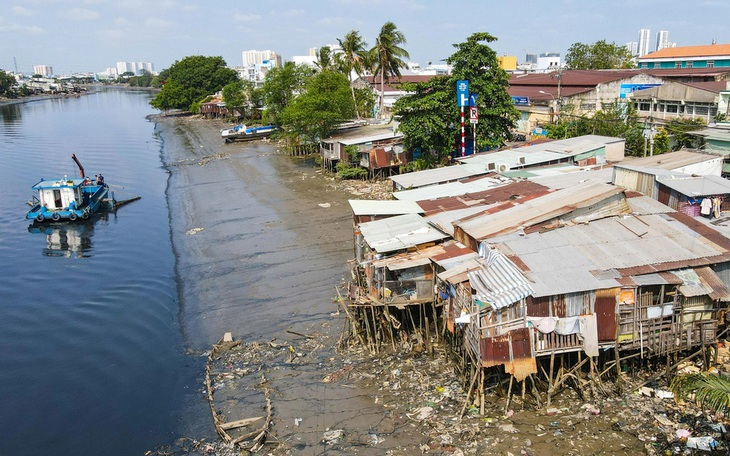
(70, 240)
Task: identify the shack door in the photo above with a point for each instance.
(606, 314)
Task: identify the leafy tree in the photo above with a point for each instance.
(281, 85)
(194, 78)
(243, 97)
(352, 57)
(7, 82)
(325, 103)
(679, 129)
(171, 96)
(598, 56)
(143, 80)
(428, 116)
(387, 55)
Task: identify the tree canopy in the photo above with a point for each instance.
(242, 98)
(192, 79)
(7, 81)
(281, 85)
(430, 116)
(598, 56)
(323, 105)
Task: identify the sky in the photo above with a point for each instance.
(91, 35)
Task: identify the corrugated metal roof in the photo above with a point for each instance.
(511, 158)
(560, 261)
(498, 282)
(695, 186)
(538, 209)
(671, 160)
(444, 220)
(435, 176)
(451, 189)
(644, 205)
(450, 252)
(511, 191)
(384, 207)
(720, 290)
(569, 175)
(399, 233)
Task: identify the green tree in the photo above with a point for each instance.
(194, 78)
(171, 96)
(679, 129)
(281, 85)
(704, 388)
(598, 56)
(325, 59)
(387, 55)
(352, 57)
(240, 97)
(7, 82)
(324, 104)
(428, 117)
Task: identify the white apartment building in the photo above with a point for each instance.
(644, 38)
(43, 70)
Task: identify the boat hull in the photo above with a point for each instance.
(95, 200)
(240, 133)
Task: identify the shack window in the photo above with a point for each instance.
(57, 198)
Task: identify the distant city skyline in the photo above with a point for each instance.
(89, 35)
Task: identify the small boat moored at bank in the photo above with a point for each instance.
(243, 133)
(69, 198)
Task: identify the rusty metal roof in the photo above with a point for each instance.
(565, 260)
(537, 210)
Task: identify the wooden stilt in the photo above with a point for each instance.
(509, 393)
(550, 377)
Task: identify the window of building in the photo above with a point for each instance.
(672, 108)
(710, 64)
(689, 65)
(588, 106)
(678, 65)
(644, 106)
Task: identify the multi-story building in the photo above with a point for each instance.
(135, 67)
(254, 57)
(43, 70)
(662, 40)
(633, 48)
(704, 56)
(644, 38)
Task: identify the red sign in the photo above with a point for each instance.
(474, 114)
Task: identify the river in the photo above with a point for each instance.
(93, 361)
(104, 324)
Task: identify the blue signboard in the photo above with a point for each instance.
(627, 89)
(472, 100)
(462, 93)
(521, 101)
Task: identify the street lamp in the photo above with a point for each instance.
(555, 104)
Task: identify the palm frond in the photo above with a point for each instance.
(706, 389)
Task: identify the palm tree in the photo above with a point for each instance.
(387, 55)
(353, 55)
(324, 59)
(706, 389)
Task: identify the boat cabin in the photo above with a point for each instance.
(59, 194)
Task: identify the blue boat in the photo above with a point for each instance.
(243, 133)
(70, 199)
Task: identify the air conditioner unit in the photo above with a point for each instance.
(522, 160)
(503, 168)
(491, 167)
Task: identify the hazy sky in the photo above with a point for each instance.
(91, 35)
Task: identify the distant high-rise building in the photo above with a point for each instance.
(254, 57)
(633, 48)
(662, 40)
(134, 67)
(644, 38)
(43, 70)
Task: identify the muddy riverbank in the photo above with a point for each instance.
(261, 240)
